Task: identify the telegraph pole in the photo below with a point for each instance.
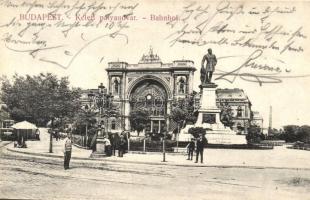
(270, 120)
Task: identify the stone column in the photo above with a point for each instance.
(174, 85)
(159, 126)
(168, 124)
(126, 114)
(168, 111)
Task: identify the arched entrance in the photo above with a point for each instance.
(151, 95)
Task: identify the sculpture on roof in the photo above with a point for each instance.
(150, 58)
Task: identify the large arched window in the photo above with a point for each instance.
(151, 96)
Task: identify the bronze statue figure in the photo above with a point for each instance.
(207, 72)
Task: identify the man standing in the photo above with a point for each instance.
(114, 141)
(190, 149)
(200, 143)
(67, 152)
(206, 73)
(121, 146)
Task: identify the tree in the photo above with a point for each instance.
(4, 114)
(84, 120)
(294, 133)
(254, 134)
(226, 115)
(40, 99)
(179, 116)
(184, 110)
(110, 110)
(303, 134)
(139, 119)
(290, 133)
(195, 131)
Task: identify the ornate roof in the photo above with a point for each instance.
(150, 57)
(231, 94)
(257, 115)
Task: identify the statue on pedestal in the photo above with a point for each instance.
(207, 72)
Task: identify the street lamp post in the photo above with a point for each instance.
(164, 146)
(51, 136)
(53, 87)
(104, 103)
(91, 96)
(100, 101)
(109, 101)
(164, 139)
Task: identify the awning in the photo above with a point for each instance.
(24, 125)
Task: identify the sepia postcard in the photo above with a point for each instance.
(154, 99)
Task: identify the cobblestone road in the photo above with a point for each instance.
(25, 177)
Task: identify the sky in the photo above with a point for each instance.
(261, 42)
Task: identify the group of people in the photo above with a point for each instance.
(196, 144)
(115, 142)
(119, 143)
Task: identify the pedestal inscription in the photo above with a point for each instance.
(209, 118)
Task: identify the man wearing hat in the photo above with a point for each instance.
(200, 144)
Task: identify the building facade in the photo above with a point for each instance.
(240, 105)
(151, 85)
(258, 120)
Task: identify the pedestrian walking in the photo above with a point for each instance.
(67, 152)
(200, 143)
(190, 149)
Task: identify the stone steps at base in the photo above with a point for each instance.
(218, 138)
(180, 150)
(98, 155)
(226, 139)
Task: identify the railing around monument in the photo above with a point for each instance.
(157, 146)
(151, 146)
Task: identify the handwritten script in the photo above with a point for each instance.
(254, 28)
(232, 24)
(43, 29)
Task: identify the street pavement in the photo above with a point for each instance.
(30, 176)
(37, 177)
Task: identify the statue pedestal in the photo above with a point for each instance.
(100, 149)
(209, 118)
(208, 112)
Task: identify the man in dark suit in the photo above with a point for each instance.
(121, 146)
(206, 72)
(200, 143)
(190, 149)
(114, 142)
